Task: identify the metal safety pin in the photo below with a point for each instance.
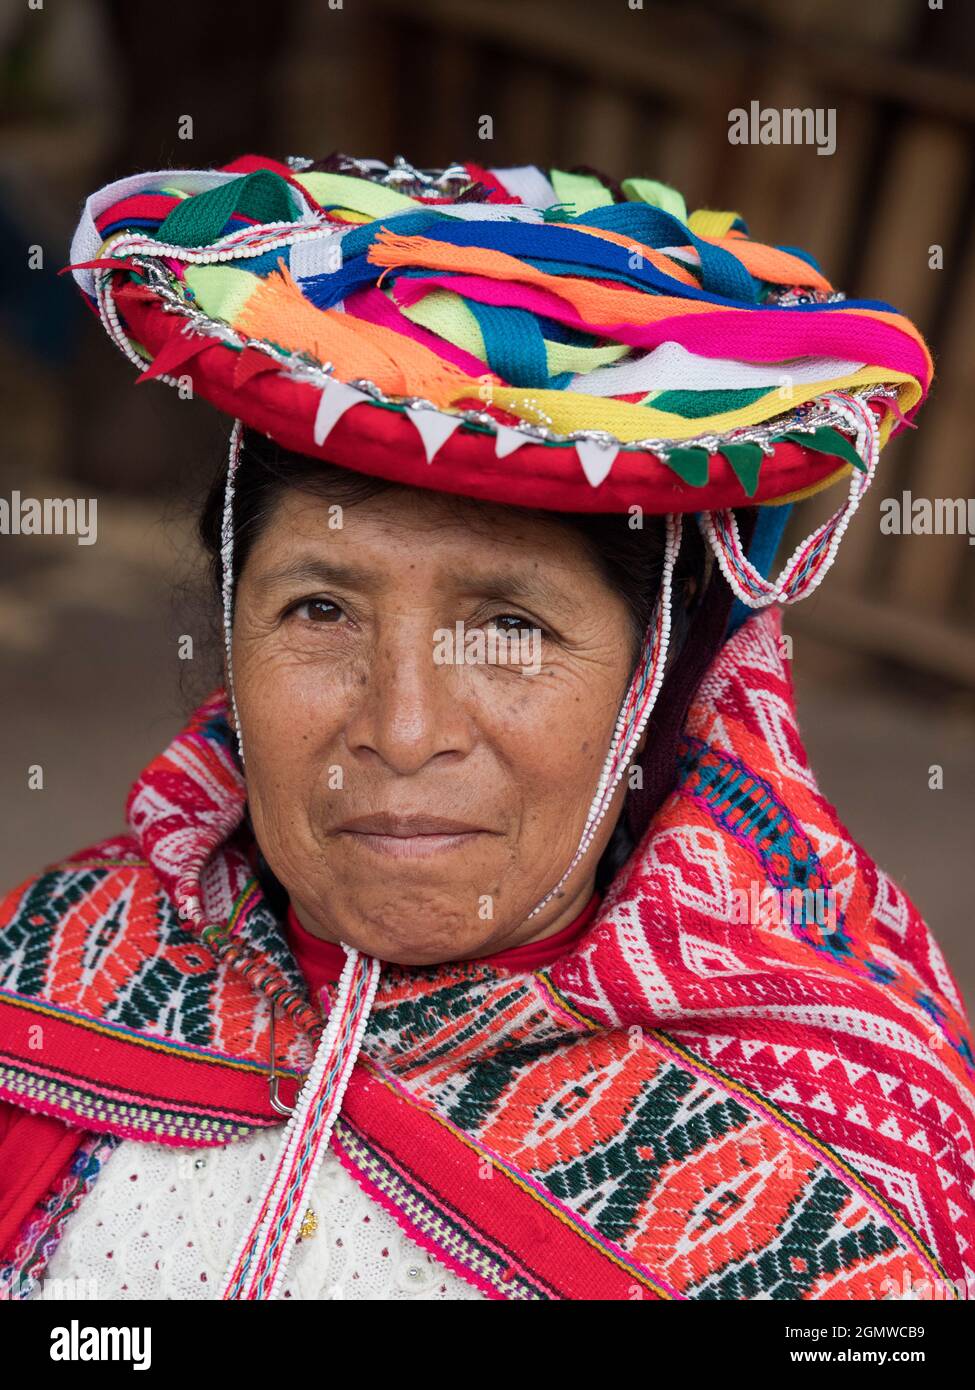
(273, 1077)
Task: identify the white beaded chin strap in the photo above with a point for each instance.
(260, 1262)
(227, 571)
(638, 703)
(259, 1265)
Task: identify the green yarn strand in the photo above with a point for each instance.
(657, 195)
(579, 192)
(199, 221)
(691, 405)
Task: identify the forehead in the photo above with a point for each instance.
(414, 523)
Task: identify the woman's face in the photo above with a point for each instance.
(414, 806)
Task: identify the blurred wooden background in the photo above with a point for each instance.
(628, 90)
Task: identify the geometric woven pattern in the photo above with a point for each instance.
(708, 1097)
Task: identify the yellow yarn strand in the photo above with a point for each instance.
(566, 411)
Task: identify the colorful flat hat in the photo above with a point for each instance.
(518, 335)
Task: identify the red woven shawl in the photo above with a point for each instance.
(707, 1097)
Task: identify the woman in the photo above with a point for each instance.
(486, 934)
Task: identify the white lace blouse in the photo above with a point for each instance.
(162, 1223)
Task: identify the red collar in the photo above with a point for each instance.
(321, 961)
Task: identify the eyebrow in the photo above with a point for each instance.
(529, 588)
(498, 583)
(307, 569)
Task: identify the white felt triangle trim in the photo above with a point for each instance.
(335, 400)
(596, 459)
(433, 428)
(508, 440)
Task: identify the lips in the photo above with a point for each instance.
(406, 827)
(413, 836)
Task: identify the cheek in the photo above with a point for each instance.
(552, 731)
(292, 713)
(292, 697)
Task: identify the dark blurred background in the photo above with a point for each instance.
(94, 90)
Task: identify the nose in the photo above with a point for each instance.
(408, 711)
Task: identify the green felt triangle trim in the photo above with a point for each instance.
(691, 465)
(746, 460)
(199, 221)
(829, 441)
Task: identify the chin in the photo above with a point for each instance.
(416, 926)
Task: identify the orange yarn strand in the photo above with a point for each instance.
(278, 311)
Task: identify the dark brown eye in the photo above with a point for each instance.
(318, 610)
(515, 624)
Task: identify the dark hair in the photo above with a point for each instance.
(630, 558)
